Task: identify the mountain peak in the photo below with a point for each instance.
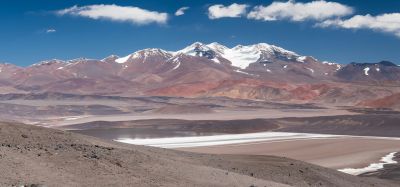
(262, 45)
(217, 47)
(215, 43)
(143, 54)
(387, 63)
(197, 43)
(110, 58)
(81, 60)
(113, 56)
(195, 49)
(150, 52)
(240, 56)
(383, 63)
(48, 62)
(194, 45)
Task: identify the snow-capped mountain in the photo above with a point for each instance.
(110, 59)
(243, 56)
(259, 71)
(200, 50)
(145, 55)
(260, 61)
(48, 62)
(240, 56)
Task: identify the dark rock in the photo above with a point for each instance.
(94, 156)
(118, 164)
(35, 185)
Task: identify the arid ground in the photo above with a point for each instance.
(35, 156)
(366, 135)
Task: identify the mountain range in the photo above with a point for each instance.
(260, 71)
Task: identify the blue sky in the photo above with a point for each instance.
(35, 30)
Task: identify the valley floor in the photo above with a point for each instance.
(336, 153)
(233, 114)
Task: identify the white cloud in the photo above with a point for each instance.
(117, 13)
(291, 10)
(232, 11)
(388, 23)
(51, 30)
(181, 11)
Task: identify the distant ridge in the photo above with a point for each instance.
(259, 71)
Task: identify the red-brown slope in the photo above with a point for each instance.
(392, 101)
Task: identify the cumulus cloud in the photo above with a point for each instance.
(51, 30)
(116, 13)
(181, 11)
(388, 23)
(294, 11)
(232, 11)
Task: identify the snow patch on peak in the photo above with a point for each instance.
(329, 63)
(242, 72)
(150, 52)
(258, 52)
(216, 60)
(216, 44)
(48, 62)
(301, 58)
(145, 53)
(211, 51)
(196, 44)
(273, 49)
(123, 59)
(217, 47)
(242, 57)
(338, 66)
(78, 60)
(175, 60)
(366, 71)
(110, 58)
(193, 49)
(177, 66)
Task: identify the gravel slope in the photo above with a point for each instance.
(35, 155)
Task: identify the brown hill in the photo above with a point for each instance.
(392, 101)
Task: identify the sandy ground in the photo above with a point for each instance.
(333, 153)
(218, 115)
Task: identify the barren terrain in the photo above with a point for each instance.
(39, 156)
(114, 117)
